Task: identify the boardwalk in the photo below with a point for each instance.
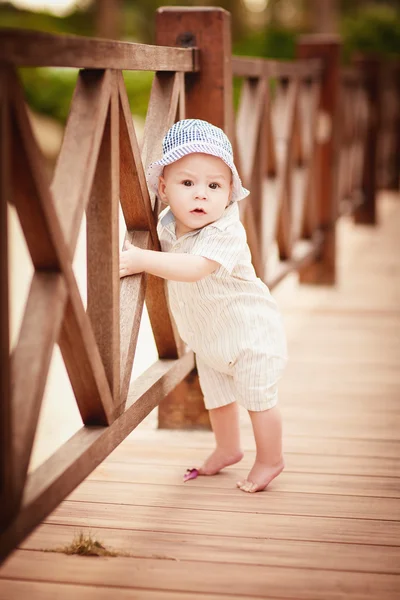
(328, 528)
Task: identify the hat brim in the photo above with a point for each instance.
(155, 169)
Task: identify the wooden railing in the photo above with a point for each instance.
(100, 165)
(276, 133)
(287, 152)
(369, 135)
(354, 115)
(388, 161)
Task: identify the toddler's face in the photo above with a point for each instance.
(197, 188)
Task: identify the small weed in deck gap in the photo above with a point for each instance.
(85, 544)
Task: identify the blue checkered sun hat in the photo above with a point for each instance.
(194, 135)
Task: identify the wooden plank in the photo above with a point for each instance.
(284, 141)
(83, 362)
(135, 199)
(340, 447)
(312, 99)
(137, 453)
(251, 108)
(46, 242)
(257, 183)
(132, 294)
(250, 141)
(230, 550)
(137, 209)
(245, 66)
(7, 464)
(27, 191)
(161, 115)
(187, 576)
(293, 443)
(251, 226)
(19, 590)
(198, 498)
(79, 151)
(69, 465)
(25, 48)
(300, 157)
(102, 253)
(30, 363)
(324, 529)
(272, 161)
(291, 481)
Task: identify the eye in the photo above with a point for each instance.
(187, 182)
(214, 186)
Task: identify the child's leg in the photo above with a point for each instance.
(225, 425)
(267, 428)
(219, 397)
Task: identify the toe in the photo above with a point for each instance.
(248, 486)
(245, 485)
(253, 488)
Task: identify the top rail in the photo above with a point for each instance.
(260, 67)
(24, 48)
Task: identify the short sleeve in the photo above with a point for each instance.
(224, 247)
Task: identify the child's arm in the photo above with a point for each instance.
(177, 267)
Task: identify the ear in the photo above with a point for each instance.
(161, 190)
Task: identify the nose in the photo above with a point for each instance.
(200, 192)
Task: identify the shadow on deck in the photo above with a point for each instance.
(328, 527)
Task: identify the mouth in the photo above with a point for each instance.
(198, 211)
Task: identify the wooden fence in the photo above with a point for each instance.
(287, 150)
(369, 127)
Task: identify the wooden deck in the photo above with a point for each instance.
(328, 527)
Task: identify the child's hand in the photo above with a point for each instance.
(130, 260)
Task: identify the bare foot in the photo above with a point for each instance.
(218, 460)
(260, 476)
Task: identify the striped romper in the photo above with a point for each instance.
(229, 318)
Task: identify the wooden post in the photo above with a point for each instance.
(326, 48)
(208, 97)
(393, 159)
(7, 500)
(208, 92)
(370, 68)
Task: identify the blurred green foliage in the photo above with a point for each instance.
(79, 22)
(50, 90)
(272, 42)
(373, 29)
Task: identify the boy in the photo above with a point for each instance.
(222, 310)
